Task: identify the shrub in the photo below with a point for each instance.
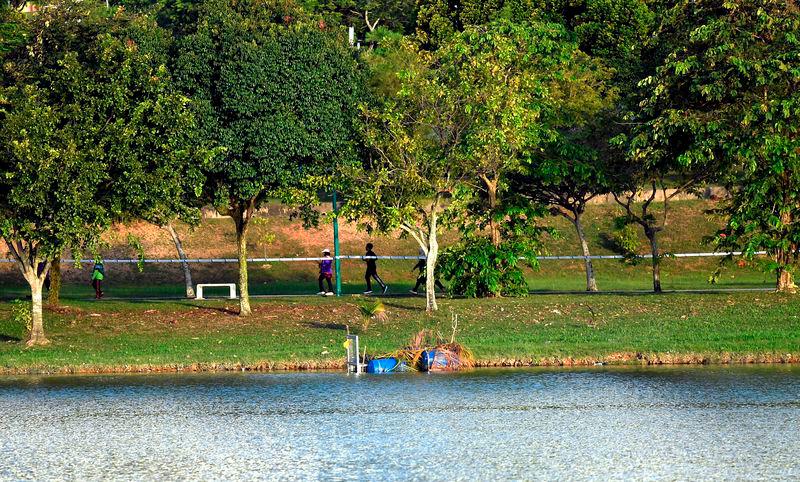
(21, 314)
(476, 268)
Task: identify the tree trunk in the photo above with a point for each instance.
(54, 293)
(591, 283)
(28, 264)
(784, 259)
(36, 337)
(652, 236)
(244, 294)
(187, 273)
(494, 228)
(242, 220)
(785, 279)
(430, 266)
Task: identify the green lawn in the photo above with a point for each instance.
(308, 332)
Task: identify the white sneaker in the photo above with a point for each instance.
(329, 293)
(413, 292)
(321, 293)
(368, 292)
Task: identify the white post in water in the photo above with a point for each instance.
(353, 362)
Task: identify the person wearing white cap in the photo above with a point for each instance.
(326, 272)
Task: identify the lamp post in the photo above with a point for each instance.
(336, 261)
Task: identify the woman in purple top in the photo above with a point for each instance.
(326, 272)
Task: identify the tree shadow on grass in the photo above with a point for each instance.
(398, 306)
(220, 309)
(7, 338)
(327, 326)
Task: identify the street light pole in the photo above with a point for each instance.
(336, 261)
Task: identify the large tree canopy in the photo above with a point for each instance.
(278, 97)
(415, 158)
(90, 132)
(726, 100)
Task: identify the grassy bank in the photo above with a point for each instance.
(308, 333)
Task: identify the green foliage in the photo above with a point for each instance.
(279, 99)
(612, 31)
(136, 243)
(374, 310)
(726, 100)
(396, 15)
(475, 268)
(12, 30)
(91, 131)
(21, 314)
(512, 119)
(415, 157)
(625, 240)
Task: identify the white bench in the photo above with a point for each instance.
(231, 286)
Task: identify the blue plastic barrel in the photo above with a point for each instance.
(382, 365)
(433, 359)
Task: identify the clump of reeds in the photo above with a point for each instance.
(457, 355)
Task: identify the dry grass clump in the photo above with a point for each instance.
(455, 355)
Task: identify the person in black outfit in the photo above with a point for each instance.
(372, 271)
(421, 278)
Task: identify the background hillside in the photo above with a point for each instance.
(274, 235)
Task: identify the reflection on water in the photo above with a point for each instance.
(621, 423)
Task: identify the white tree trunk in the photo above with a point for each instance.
(36, 336)
(430, 266)
(28, 264)
(591, 282)
(187, 273)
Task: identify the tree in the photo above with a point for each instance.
(566, 177)
(613, 32)
(90, 132)
(511, 76)
(278, 97)
(533, 96)
(415, 159)
(571, 169)
(726, 97)
(438, 20)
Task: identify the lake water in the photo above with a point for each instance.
(604, 423)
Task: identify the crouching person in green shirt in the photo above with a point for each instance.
(98, 275)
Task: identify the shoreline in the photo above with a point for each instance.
(615, 359)
(304, 335)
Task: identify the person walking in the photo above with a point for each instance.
(372, 271)
(326, 272)
(98, 275)
(421, 277)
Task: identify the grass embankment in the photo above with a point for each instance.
(273, 236)
(307, 334)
